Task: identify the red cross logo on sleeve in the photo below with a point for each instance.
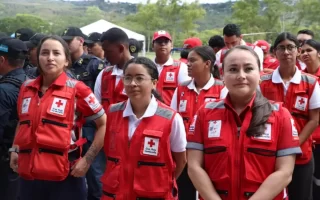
(151, 143)
(59, 103)
(301, 101)
(91, 100)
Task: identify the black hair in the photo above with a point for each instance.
(184, 53)
(307, 32)
(231, 30)
(61, 41)
(285, 36)
(115, 35)
(151, 68)
(15, 60)
(207, 53)
(261, 109)
(313, 43)
(216, 41)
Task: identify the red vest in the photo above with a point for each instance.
(109, 93)
(316, 133)
(188, 101)
(270, 63)
(296, 101)
(143, 167)
(237, 164)
(44, 146)
(168, 81)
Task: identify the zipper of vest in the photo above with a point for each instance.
(155, 164)
(237, 160)
(25, 122)
(41, 150)
(48, 121)
(115, 160)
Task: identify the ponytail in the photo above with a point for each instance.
(215, 72)
(261, 111)
(157, 95)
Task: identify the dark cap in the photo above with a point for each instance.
(24, 34)
(13, 47)
(134, 47)
(72, 32)
(34, 40)
(94, 37)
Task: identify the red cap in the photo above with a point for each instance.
(264, 45)
(160, 34)
(191, 43)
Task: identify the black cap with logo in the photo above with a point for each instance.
(134, 47)
(13, 48)
(94, 37)
(72, 32)
(24, 34)
(34, 40)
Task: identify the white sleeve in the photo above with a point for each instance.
(314, 101)
(224, 92)
(259, 51)
(183, 73)
(97, 86)
(178, 137)
(174, 100)
(218, 61)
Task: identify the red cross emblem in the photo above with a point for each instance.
(59, 103)
(301, 101)
(91, 100)
(170, 75)
(151, 143)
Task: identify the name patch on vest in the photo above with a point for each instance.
(266, 134)
(193, 125)
(58, 106)
(301, 103)
(151, 146)
(295, 134)
(25, 105)
(183, 106)
(92, 102)
(170, 76)
(214, 129)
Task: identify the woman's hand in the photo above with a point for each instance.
(80, 168)
(14, 161)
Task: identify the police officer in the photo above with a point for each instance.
(86, 68)
(134, 47)
(94, 45)
(13, 53)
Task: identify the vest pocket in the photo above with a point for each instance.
(50, 159)
(24, 163)
(259, 163)
(23, 137)
(110, 178)
(151, 180)
(214, 155)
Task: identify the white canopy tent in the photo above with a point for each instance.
(101, 26)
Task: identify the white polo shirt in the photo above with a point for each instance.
(97, 87)
(183, 71)
(314, 101)
(192, 86)
(178, 140)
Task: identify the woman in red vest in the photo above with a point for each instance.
(242, 147)
(189, 96)
(47, 147)
(145, 140)
(310, 55)
(300, 94)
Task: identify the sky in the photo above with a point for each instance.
(143, 1)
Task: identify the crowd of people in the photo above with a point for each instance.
(87, 118)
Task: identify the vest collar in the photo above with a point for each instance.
(276, 78)
(151, 110)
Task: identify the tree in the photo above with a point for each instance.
(189, 14)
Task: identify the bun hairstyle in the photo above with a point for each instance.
(151, 68)
(261, 109)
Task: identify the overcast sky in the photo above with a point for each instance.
(201, 1)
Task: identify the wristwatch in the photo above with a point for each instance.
(12, 149)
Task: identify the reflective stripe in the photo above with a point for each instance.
(117, 107)
(213, 105)
(194, 145)
(108, 69)
(289, 151)
(176, 64)
(316, 181)
(71, 83)
(27, 82)
(266, 77)
(164, 112)
(275, 106)
(307, 78)
(218, 82)
(95, 116)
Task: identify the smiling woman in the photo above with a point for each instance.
(52, 109)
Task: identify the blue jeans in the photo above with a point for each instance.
(97, 167)
(70, 188)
